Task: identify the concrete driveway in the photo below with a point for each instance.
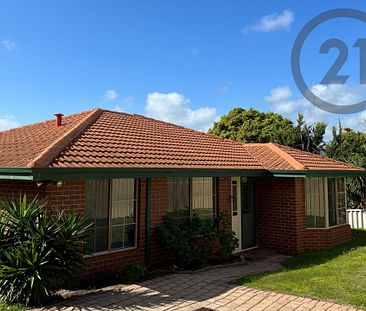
(204, 291)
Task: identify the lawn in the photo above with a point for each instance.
(337, 275)
(6, 307)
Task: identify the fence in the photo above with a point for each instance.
(356, 218)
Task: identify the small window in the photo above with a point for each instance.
(315, 202)
(203, 198)
(112, 206)
(234, 197)
(325, 202)
(178, 198)
(192, 196)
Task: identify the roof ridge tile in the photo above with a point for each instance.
(45, 158)
(287, 157)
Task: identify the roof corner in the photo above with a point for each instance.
(288, 158)
(45, 158)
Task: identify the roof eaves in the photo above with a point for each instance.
(15, 173)
(45, 158)
(317, 173)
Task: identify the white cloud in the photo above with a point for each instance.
(286, 107)
(129, 100)
(109, 95)
(224, 88)
(118, 108)
(278, 94)
(273, 22)
(356, 122)
(7, 122)
(340, 95)
(9, 44)
(336, 94)
(175, 108)
(192, 49)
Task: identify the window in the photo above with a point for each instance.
(112, 206)
(178, 198)
(234, 197)
(325, 202)
(189, 196)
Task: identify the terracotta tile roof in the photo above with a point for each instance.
(316, 162)
(133, 141)
(37, 144)
(278, 157)
(106, 139)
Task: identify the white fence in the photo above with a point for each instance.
(356, 218)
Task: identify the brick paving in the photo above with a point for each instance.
(204, 291)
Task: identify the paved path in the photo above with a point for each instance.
(202, 291)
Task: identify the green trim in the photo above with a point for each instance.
(40, 174)
(16, 177)
(107, 173)
(15, 173)
(316, 173)
(148, 222)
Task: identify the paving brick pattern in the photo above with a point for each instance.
(204, 291)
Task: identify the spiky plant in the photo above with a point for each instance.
(39, 249)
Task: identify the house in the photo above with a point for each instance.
(128, 171)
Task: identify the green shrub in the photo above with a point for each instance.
(226, 237)
(132, 273)
(39, 250)
(191, 241)
(13, 307)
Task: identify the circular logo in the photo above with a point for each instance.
(296, 53)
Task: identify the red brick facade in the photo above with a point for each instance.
(280, 216)
(281, 221)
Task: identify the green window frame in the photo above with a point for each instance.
(112, 206)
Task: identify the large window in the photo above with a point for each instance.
(112, 206)
(189, 196)
(325, 202)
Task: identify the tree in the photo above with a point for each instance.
(253, 126)
(309, 137)
(350, 146)
(346, 143)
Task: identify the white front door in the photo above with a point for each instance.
(236, 209)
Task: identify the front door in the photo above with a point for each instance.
(242, 209)
(236, 209)
(248, 232)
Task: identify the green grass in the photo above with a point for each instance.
(337, 275)
(7, 307)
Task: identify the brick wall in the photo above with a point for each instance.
(69, 196)
(11, 188)
(281, 221)
(280, 214)
(223, 191)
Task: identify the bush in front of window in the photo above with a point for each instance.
(191, 241)
(228, 242)
(131, 273)
(39, 250)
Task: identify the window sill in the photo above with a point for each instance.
(110, 252)
(327, 228)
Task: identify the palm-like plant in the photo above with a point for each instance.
(356, 186)
(39, 249)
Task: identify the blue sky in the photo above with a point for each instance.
(187, 62)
